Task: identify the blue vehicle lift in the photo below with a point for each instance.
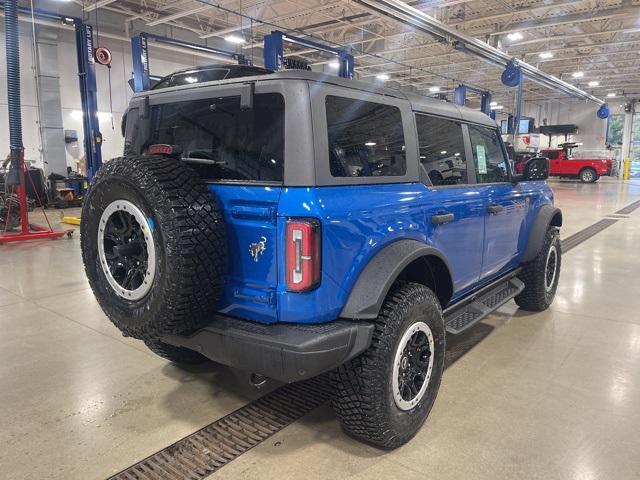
(140, 56)
(460, 96)
(88, 86)
(274, 52)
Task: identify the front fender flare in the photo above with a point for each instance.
(373, 284)
(547, 215)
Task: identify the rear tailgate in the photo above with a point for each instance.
(252, 267)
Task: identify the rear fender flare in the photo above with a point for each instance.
(548, 215)
(375, 281)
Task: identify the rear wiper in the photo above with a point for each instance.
(203, 161)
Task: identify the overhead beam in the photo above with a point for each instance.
(102, 3)
(177, 15)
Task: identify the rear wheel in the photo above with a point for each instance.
(541, 275)
(588, 175)
(384, 396)
(153, 246)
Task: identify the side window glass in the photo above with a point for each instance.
(552, 155)
(442, 150)
(365, 138)
(488, 155)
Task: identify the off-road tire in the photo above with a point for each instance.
(178, 355)
(588, 175)
(363, 398)
(535, 296)
(189, 236)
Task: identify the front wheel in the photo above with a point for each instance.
(541, 275)
(384, 396)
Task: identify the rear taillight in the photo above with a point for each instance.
(303, 247)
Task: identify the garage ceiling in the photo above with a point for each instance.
(599, 38)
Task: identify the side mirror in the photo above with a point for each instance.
(536, 169)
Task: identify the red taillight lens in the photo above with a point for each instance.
(303, 254)
(160, 149)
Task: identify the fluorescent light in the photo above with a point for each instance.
(594, 83)
(611, 95)
(370, 144)
(515, 36)
(334, 64)
(443, 152)
(577, 74)
(497, 107)
(383, 76)
(434, 89)
(190, 79)
(234, 39)
(493, 104)
(546, 55)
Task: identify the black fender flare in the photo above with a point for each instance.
(375, 281)
(547, 215)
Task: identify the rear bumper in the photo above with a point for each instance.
(285, 352)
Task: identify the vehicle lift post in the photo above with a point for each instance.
(89, 105)
(274, 52)
(460, 96)
(140, 56)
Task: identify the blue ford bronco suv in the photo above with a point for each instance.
(291, 224)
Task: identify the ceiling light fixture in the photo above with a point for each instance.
(497, 107)
(382, 76)
(434, 89)
(370, 144)
(515, 36)
(234, 39)
(577, 74)
(594, 83)
(493, 104)
(334, 64)
(546, 55)
(611, 95)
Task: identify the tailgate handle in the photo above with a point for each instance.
(442, 218)
(254, 213)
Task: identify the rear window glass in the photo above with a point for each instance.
(365, 138)
(235, 144)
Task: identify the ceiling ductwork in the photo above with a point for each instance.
(408, 15)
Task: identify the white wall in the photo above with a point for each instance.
(162, 62)
(591, 130)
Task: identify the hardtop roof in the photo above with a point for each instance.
(419, 103)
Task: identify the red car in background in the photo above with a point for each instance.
(563, 165)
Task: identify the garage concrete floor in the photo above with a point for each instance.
(551, 395)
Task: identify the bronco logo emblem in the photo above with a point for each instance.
(257, 249)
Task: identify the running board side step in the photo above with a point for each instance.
(465, 314)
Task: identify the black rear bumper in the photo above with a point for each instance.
(285, 352)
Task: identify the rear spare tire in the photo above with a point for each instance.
(153, 245)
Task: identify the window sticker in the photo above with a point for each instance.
(482, 159)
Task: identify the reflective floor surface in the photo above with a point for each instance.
(554, 395)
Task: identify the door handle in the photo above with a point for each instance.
(442, 218)
(495, 208)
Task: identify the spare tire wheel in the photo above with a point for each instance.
(153, 245)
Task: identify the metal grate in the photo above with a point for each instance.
(585, 234)
(207, 450)
(629, 208)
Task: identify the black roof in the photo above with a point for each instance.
(208, 73)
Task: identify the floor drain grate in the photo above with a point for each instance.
(629, 208)
(207, 450)
(585, 234)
